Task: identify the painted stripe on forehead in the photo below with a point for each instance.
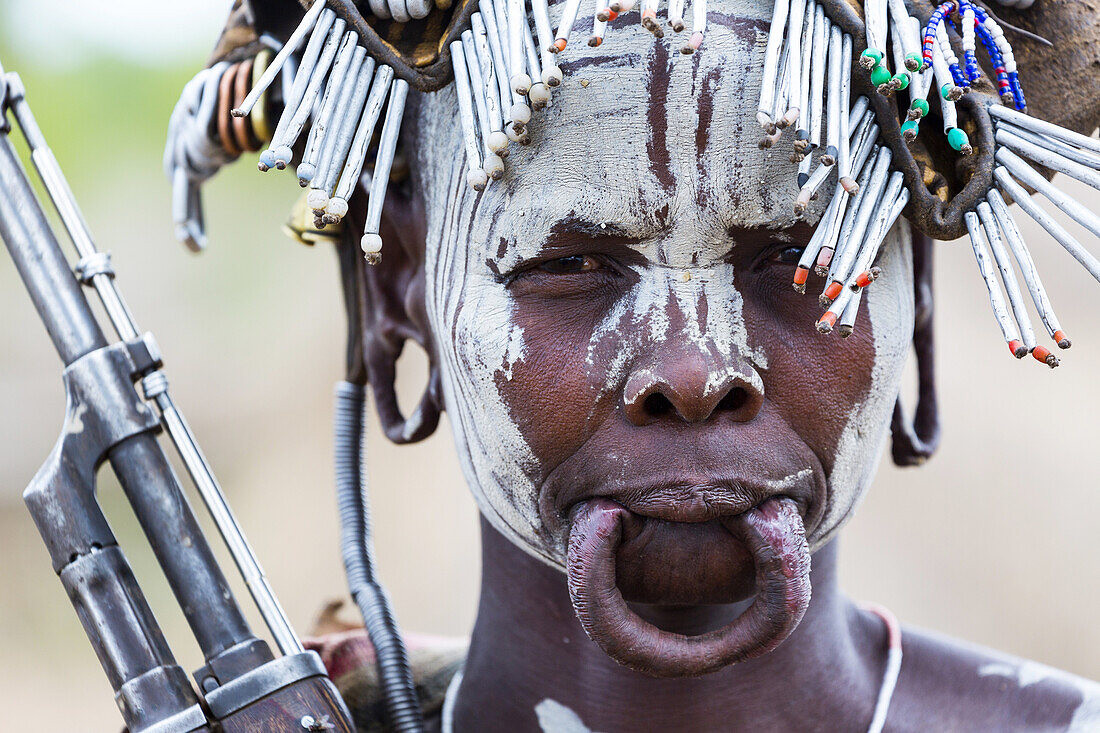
(659, 79)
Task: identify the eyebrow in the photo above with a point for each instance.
(578, 226)
(798, 233)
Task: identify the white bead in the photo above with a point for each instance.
(337, 207)
(477, 178)
(521, 83)
(552, 76)
(497, 141)
(520, 114)
(282, 155)
(317, 199)
(306, 172)
(494, 166)
(371, 243)
(539, 95)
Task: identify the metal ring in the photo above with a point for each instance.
(261, 113)
(225, 104)
(242, 128)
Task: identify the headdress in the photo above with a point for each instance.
(889, 107)
(858, 90)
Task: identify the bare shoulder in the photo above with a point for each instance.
(947, 685)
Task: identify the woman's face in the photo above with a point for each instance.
(615, 317)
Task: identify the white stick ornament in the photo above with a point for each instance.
(276, 65)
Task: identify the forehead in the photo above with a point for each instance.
(638, 135)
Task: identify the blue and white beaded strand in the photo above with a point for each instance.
(1008, 61)
(969, 44)
(974, 22)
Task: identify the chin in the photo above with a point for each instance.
(669, 563)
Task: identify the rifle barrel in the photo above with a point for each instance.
(101, 277)
(139, 462)
(54, 290)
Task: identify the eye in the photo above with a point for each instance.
(787, 255)
(570, 265)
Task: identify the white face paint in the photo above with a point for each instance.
(1086, 718)
(557, 718)
(890, 310)
(677, 194)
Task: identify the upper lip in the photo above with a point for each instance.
(689, 501)
(699, 500)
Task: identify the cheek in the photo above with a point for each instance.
(889, 312)
(812, 380)
(550, 393)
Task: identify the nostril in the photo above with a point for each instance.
(657, 405)
(734, 400)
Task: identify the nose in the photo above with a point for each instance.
(692, 389)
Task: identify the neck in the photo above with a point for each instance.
(528, 648)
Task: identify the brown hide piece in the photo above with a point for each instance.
(1062, 84)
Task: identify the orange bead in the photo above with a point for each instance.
(1043, 355)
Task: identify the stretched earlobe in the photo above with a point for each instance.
(385, 307)
(381, 363)
(915, 441)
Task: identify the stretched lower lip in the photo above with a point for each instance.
(773, 533)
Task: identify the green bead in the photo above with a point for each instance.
(946, 89)
(880, 75)
(956, 138)
(913, 61)
(910, 125)
(874, 54)
(920, 105)
(902, 79)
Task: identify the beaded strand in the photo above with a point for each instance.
(974, 23)
(997, 35)
(973, 72)
(944, 42)
(1004, 87)
(929, 36)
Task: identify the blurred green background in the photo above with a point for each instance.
(994, 540)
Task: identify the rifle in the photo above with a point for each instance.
(242, 686)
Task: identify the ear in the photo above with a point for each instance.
(386, 307)
(915, 442)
